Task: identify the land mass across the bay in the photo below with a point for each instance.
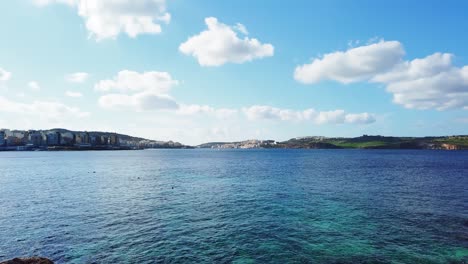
(63, 139)
(459, 142)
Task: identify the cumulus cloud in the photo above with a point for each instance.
(149, 91)
(432, 82)
(77, 77)
(241, 28)
(332, 117)
(258, 112)
(417, 68)
(428, 83)
(34, 86)
(46, 110)
(108, 18)
(264, 112)
(141, 91)
(139, 101)
(73, 94)
(220, 44)
(131, 81)
(362, 118)
(355, 64)
(4, 75)
(194, 109)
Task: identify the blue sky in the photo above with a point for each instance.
(154, 69)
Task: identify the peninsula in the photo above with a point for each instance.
(459, 142)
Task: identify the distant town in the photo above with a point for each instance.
(62, 139)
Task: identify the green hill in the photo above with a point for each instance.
(379, 142)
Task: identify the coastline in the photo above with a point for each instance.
(198, 148)
(15, 149)
(59, 139)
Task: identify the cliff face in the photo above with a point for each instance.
(32, 260)
(450, 147)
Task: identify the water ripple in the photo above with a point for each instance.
(236, 206)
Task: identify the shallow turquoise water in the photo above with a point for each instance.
(235, 206)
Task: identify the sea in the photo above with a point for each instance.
(235, 206)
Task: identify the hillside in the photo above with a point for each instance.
(362, 142)
(379, 142)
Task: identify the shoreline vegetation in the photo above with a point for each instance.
(363, 142)
(60, 139)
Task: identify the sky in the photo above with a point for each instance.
(198, 71)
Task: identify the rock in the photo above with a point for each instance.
(32, 260)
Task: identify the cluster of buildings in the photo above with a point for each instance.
(61, 139)
(147, 144)
(247, 144)
(32, 139)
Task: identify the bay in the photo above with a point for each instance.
(235, 206)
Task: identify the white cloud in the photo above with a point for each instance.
(45, 110)
(73, 94)
(355, 64)
(150, 101)
(140, 101)
(428, 83)
(4, 75)
(258, 112)
(362, 118)
(108, 18)
(145, 91)
(131, 81)
(77, 77)
(333, 117)
(34, 86)
(241, 28)
(432, 82)
(194, 109)
(149, 91)
(225, 113)
(220, 44)
(417, 68)
(264, 112)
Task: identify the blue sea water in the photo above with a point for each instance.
(235, 206)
